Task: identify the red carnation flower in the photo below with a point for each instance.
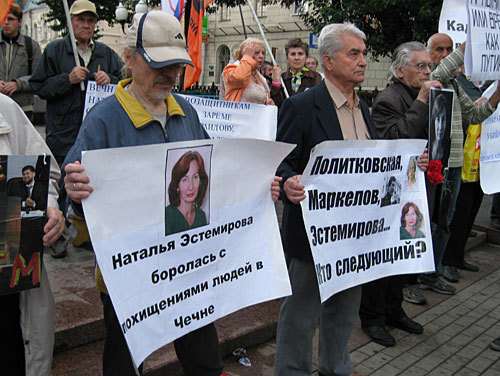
(434, 173)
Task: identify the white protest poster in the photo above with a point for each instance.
(453, 21)
(365, 212)
(482, 52)
(489, 160)
(96, 93)
(170, 271)
(223, 119)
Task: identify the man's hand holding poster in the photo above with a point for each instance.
(185, 233)
(366, 212)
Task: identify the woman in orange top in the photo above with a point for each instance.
(242, 79)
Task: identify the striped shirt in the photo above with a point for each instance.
(463, 106)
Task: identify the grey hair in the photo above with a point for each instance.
(132, 53)
(330, 41)
(402, 57)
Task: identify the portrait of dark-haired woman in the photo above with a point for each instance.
(186, 193)
(411, 220)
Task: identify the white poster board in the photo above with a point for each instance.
(164, 286)
(453, 21)
(358, 193)
(223, 119)
(96, 93)
(489, 160)
(482, 53)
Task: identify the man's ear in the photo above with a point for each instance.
(327, 62)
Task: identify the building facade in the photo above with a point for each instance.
(224, 31)
(280, 24)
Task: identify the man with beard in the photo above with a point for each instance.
(31, 197)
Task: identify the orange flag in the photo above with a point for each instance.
(194, 41)
(4, 9)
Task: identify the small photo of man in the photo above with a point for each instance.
(187, 188)
(392, 190)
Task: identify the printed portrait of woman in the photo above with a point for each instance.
(440, 125)
(411, 221)
(411, 173)
(186, 194)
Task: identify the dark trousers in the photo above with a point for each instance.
(381, 300)
(495, 207)
(469, 201)
(11, 343)
(197, 351)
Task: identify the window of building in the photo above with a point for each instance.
(35, 31)
(223, 57)
(225, 13)
(300, 7)
(45, 32)
(260, 8)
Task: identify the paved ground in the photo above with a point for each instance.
(457, 333)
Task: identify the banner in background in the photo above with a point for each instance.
(192, 74)
(453, 21)
(96, 93)
(223, 119)
(482, 53)
(4, 9)
(173, 7)
(489, 160)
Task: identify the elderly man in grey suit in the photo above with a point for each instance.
(329, 111)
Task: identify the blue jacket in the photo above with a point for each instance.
(120, 120)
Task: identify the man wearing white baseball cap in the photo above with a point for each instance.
(143, 111)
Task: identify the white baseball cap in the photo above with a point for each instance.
(82, 6)
(159, 39)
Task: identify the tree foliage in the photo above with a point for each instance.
(105, 10)
(386, 23)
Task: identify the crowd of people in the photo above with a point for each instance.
(313, 107)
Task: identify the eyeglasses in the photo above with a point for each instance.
(422, 66)
(12, 19)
